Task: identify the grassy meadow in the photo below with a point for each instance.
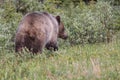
(80, 62)
(92, 51)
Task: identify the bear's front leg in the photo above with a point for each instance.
(52, 46)
(55, 48)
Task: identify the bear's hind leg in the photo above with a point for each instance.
(38, 46)
(19, 42)
(18, 46)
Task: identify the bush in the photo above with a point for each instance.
(8, 22)
(90, 24)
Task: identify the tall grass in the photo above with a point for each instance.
(88, 62)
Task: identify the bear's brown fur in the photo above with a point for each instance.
(38, 30)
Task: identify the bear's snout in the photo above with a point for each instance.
(64, 36)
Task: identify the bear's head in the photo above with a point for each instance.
(62, 33)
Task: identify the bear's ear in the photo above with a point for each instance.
(58, 19)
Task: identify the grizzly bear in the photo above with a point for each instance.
(38, 30)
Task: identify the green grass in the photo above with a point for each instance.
(81, 62)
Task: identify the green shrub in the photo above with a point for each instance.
(25, 6)
(90, 24)
(8, 23)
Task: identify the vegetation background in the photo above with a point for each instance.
(92, 51)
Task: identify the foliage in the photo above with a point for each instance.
(25, 6)
(8, 21)
(90, 24)
(114, 2)
(117, 18)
